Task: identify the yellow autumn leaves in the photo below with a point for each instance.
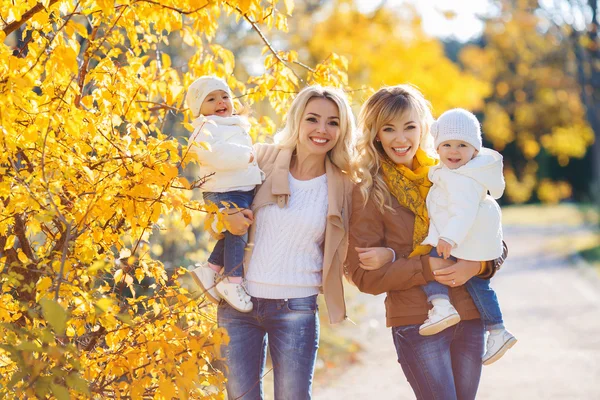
(535, 102)
(89, 171)
(89, 168)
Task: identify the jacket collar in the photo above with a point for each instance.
(281, 167)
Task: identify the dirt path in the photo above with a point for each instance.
(550, 302)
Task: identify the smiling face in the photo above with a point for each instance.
(217, 102)
(456, 153)
(400, 138)
(319, 127)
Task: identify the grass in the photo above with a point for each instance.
(585, 242)
(570, 214)
(592, 255)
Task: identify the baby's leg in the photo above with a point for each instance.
(442, 314)
(486, 301)
(234, 249)
(216, 258)
(234, 256)
(436, 293)
(231, 288)
(499, 339)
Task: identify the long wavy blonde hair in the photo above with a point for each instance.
(387, 104)
(342, 153)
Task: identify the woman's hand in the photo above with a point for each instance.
(457, 274)
(439, 263)
(372, 258)
(238, 221)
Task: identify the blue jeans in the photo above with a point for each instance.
(229, 251)
(290, 327)
(480, 290)
(445, 366)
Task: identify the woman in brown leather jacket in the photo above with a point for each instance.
(394, 151)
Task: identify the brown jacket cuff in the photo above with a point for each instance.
(489, 270)
(427, 273)
(494, 265)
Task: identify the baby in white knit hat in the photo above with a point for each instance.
(465, 223)
(224, 149)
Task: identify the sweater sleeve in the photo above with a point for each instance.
(367, 229)
(222, 155)
(463, 205)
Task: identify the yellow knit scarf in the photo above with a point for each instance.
(410, 188)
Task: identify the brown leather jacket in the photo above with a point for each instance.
(406, 303)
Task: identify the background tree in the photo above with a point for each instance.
(387, 47)
(96, 182)
(535, 114)
(88, 171)
(577, 21)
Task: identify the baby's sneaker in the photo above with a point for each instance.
(235, 294)
(206, 278)
(441, 316)
(498, 343)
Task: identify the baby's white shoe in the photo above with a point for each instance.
(498, 343)
(235, 294)
(206, 278)
(441, 316)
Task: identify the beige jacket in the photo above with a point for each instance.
(275, 163)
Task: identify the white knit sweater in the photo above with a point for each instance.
(287, 259)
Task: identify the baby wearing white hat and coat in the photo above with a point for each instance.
(465, 223)
(224, 149)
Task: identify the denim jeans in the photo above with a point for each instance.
(229, 251)
(290, 327)
(480, 290)
(445, 366)
(486, 301)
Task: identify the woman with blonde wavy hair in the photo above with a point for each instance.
(298, 242)
(388, 224)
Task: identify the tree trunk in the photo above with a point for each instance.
(589, 80)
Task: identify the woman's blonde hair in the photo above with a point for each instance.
(341, 154)
(387, 104)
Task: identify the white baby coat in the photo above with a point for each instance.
(225, 154)
(460, 208)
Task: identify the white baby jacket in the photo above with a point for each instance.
(460, 208)
(227, 155)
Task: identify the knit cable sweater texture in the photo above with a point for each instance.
(287, 259)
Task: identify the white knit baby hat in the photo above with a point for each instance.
(457, 124)
(201, 88)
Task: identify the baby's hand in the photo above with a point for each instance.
(444, 248)
(251, 158)
(372, 258)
